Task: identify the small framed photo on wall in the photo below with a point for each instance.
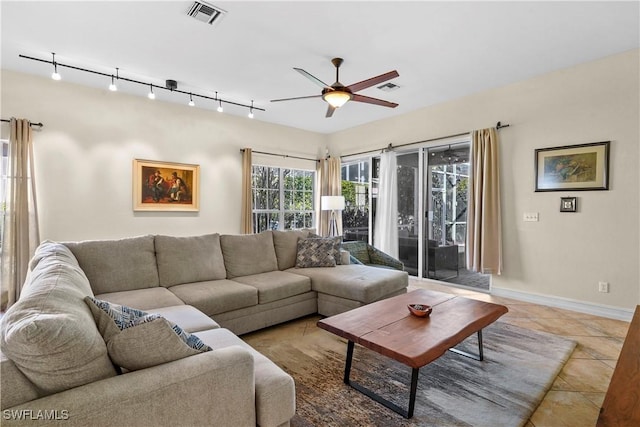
(568, 204)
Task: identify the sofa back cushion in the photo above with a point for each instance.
(49, 333)
(286, 246)
(189, 259)
(118, 265)
(248, 254)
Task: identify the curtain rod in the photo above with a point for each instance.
(40, 125)
(390, 146)
(286, 156)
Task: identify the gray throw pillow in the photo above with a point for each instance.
(137, 340)
(315, 253)
(337, 243)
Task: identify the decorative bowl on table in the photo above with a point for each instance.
(420, 310)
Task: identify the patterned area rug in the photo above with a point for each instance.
(520, 365)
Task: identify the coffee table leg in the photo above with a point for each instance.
(412, 393)
(479, 356)
(347, 365)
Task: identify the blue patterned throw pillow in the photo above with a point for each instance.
(136, 339)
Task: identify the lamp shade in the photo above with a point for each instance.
(331, 203)
(337, 98)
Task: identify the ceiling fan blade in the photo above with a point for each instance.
(373, 81)
(330, 110)
(376, 101)
(311, 77)
(297, 97)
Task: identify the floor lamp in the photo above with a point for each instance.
(333, 204)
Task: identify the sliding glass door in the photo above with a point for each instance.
(432, 190)
(409, 210)
(447, 179)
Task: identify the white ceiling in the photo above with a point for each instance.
(442, 50)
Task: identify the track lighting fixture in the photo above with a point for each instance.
(171, 84)
(250, 115)
(55, 75)
(112, 86)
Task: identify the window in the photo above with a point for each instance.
(4, 172)
(282, 198)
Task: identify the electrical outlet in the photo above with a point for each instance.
(603, 287)
(530, 217)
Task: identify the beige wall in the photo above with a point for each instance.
(84, 157)
(563, 255)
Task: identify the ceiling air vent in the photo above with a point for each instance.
(388, 87)
(206, 13)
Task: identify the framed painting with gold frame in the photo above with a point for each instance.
(165, 186)
(573, 167)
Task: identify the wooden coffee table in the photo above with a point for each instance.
(388, 328)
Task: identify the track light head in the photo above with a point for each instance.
(191, 103)
(112, 86)
(151, 95)
(250, 115)
(55, 75)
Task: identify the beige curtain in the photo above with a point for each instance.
(484, 225)
(20, 228)
(322, 222)
(246, 215)
(328, 176)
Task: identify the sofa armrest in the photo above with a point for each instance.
(345, 257)
(214, 388)
(381, 258)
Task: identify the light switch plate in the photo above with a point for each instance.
(530, 216)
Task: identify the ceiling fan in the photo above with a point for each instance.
(337, 94)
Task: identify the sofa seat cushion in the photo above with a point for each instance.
(187, 317)
(138, 340)
(276, 285)
(286, 246)
(143, 299)
(118, 265)
(248, 254)
(355, 282)
(216, 296)
(49, 333)
(275, 389)
(189, 259)
(21, 389)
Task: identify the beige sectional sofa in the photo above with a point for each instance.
(55, 364)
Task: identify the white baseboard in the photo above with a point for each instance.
(608, 311)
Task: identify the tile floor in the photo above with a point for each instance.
(577, 394)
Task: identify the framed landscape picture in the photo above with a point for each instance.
(165, 186)
(573, 167)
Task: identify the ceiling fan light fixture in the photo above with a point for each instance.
(337, 98)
